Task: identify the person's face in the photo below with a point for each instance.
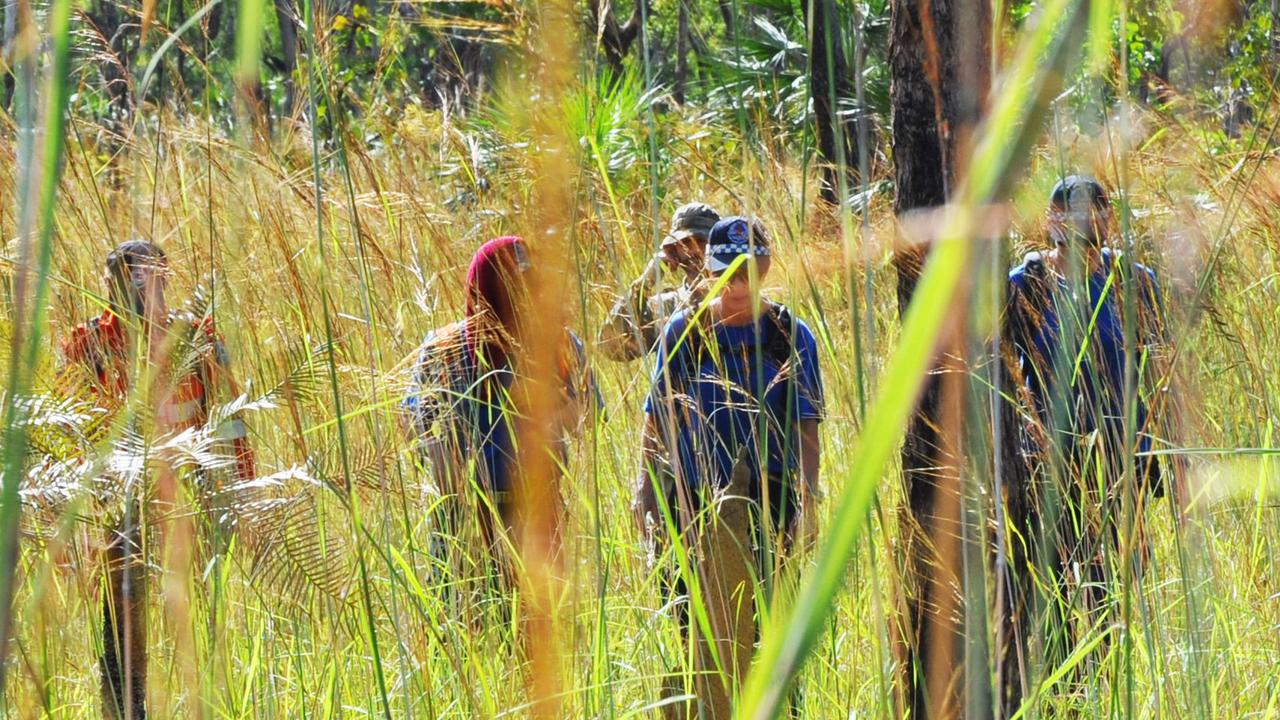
(152, 280)
(143, 288)
(1081, 224)
(741, 290)
(684, 254)
(514, 300)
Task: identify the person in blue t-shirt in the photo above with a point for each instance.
(1066, 319)
(1065, 326)
(738, 382)
(734, 411)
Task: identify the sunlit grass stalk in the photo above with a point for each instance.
(313, 69)
(27, 349)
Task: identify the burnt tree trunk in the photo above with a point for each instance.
(287, 17)
(1275, 31)
(616, 39)
(939, 60)
(8, 51)
(730, 23)
(829, 85)
(116, 34)
(118, 37)
(682, 51)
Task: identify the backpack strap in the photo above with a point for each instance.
(1040, 282)
(1035, 264)
(779, 333)
(777, 339)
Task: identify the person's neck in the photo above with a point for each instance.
(738, 318)
(1090, 254)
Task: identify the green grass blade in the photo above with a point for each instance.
(24, 362)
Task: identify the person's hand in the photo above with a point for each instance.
(652, 273)
(645, 510)
(807, 530)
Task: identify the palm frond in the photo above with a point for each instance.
(296, 534)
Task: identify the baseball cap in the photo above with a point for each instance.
(1073, 189)
(693, 219)
(734, 236)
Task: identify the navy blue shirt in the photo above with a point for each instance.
(465, 404)
(1042, 302)
(721, 394)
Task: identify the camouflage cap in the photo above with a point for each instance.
(1078, 190)
(693, 219)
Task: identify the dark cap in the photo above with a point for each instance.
(135, 252)
(1078, 187)
(692, 220)
(734, 236)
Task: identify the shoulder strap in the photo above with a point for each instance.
(778, 339)
(1036, 267)
(695, 341)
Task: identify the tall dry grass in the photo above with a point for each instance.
(290, 630)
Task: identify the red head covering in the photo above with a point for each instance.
(495, 285)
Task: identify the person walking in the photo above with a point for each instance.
(1064, 325)
(466, 405)
(631, 331)
(187, 363)
(734, 410)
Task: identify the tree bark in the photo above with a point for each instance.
(939, 60)
(115, 32)
(829, 85)
(730, 24)
(286, 16)
(616, 40)
(1275, 31)
(8, 50)
(682, 51)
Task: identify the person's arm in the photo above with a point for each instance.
(810, 493)
(644, 503)
(232, 429)
(810, 459)
(581, 400)
(629, 330)
(656, 468)
(812, 409)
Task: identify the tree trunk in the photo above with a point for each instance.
(8, 51)
(939, 60)
(616, 40)
(829, 85)
(1275, 31)
(730, 24)
(116, 32)
(682, 51)
(287, 17)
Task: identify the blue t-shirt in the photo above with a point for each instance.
(1042, 302)
(461, 401)
(725, 389)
